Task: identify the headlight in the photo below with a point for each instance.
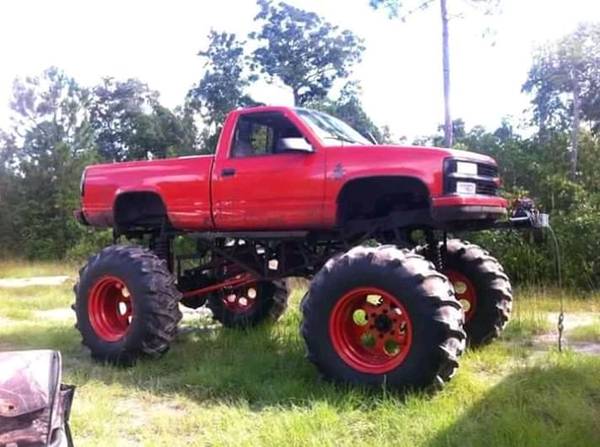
(465, 167)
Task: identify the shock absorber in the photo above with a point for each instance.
(162, 246)
(434, 249)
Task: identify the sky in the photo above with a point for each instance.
(401, 75)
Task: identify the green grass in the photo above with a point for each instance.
(528, 318)
(221, 387)
(548, 300)
(27, 300)
(587, 332)
(27, 269)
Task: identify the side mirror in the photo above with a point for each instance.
(293, 144)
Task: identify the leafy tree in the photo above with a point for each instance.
(115, 108)
(525, 164)
(388, 137)
(7, 193)
(589, 161)
(395, 7)
(348, 107)
(223, 86)
(159, 134)
(52, 142)
(458, 133)
(50, 108)
(302, 50)
(131, 124)
(187, 131)
(564, 80)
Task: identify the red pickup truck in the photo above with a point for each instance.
(288, 193)
(279, 168)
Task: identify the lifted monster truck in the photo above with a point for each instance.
(295, 192)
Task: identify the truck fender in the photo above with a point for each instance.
(376, 195)
(139, 207)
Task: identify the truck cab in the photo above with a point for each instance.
(286, 168)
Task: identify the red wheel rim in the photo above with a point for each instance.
(370, 330)
(110, 308)
(465, 292)
(240, 299)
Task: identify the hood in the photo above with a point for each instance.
(431, 150)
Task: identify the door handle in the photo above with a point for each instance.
(228, 172)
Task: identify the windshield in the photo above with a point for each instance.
(331, 131)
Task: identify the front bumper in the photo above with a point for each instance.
(460, 208)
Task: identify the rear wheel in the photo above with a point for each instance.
(383, 315)
(250, 304)
(482, 288)
(126, 304)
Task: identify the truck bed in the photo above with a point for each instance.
(183, 184)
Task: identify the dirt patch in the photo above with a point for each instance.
(196, 321)
(190, 316)
(63, 313)
(12, 283)
(5, 322)
(585, 347)
(572, 320)
(201, 313)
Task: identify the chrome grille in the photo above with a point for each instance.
(487, 170)
(486, 188)
(485, 180)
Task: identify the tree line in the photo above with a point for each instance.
(59, 126)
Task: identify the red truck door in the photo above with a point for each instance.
(267, 176)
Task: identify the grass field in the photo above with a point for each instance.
(222, 387)
(24, 269)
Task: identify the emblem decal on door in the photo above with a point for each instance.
(338, 171)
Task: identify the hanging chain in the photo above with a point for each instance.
(561, 319)
(561, 315)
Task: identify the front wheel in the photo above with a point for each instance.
(127, 305)
(481, 286)
(382, 315)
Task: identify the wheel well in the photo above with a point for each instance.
(374, 197)
(139, 209)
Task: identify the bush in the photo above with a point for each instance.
(531, 263)
(91, 242)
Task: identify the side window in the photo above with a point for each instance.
(261, 138)
(259, 134)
